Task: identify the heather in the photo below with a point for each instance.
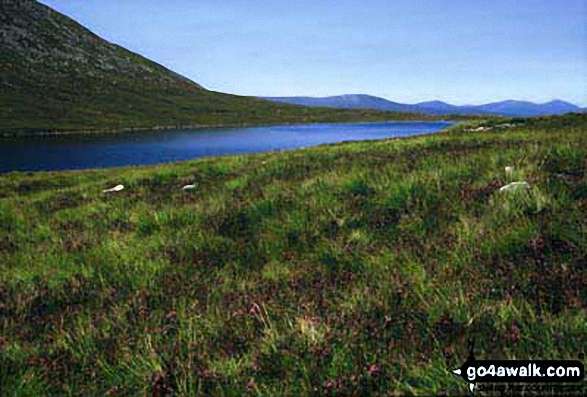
(350, 269)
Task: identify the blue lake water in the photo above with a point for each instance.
(113, 150)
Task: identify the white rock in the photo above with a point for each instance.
(514, 186)
(116, 188)
(509, 169)
(188, 187)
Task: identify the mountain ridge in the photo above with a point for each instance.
(511, 108)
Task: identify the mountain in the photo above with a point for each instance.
(56, 75)
(506, 108)
(443, 108)
(560, 107)
(522, 108)
(359, 101)
(346, 102)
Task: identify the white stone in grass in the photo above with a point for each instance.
(514, 186)
(509, 169)
(188, 187)
(116, 188)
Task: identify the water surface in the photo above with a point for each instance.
(113, 150)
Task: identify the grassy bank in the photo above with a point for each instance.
(351, 269)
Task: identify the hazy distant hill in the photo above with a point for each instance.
(347, 102)
(57, 75)
(505, 108)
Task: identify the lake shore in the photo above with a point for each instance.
(154, 147)
(122, 130)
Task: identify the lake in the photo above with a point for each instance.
(113, 150)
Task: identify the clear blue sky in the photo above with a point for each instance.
(461, 51)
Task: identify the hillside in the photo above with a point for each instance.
(356, 269)
(55, 75)
(505, 108)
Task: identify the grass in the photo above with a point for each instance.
(351, 269)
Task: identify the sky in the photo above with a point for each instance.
(459, 51)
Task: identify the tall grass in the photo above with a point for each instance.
(351, 269)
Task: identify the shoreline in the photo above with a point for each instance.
(443, 129)
(8, 136)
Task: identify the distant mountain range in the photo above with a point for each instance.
(509, 108)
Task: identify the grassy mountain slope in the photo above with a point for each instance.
(55, 75)
(352, 269)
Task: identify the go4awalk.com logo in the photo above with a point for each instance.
(519, 371)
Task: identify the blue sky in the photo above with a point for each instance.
(460, 51)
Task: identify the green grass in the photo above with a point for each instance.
(351, 269)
